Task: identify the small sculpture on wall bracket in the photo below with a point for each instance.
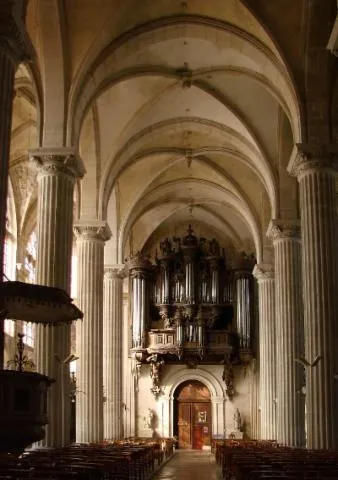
(228, 376)
(148, 419)
(156, 364)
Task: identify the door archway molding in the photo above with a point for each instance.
(217, 398)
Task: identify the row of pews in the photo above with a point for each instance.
(259, 460)
(130, 459)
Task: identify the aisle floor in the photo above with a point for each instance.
(189, 465)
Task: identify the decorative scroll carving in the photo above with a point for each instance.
(263, 271)
(58, 161)
(115, 271)
(228, 377)
(156, 364)
(282, 229)
(92, 230)
(306, 159)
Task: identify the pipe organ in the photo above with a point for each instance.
(190, 305)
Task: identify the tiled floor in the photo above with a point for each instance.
(189, 465)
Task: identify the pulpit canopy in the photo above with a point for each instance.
(37, 304)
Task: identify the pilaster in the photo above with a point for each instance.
(289, 331)
(264, 273)
(91, 238)
(112, 350)
(315, 168)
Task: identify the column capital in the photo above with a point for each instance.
(92, 230)
(118, 271)
(14, 40)
(308, 158)
(263, 271)
(284, 229)
(53, 161)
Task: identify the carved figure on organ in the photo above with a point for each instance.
(214, 248)
(166, 247)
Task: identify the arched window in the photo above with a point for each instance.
(9, 262)
(30, 267)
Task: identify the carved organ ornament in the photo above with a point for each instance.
(191, 307)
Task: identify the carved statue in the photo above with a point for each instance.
(237, 421)
(148, 418)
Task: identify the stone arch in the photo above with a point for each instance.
(105, 66)
(159, 194)
(217, 396)
(233, 144)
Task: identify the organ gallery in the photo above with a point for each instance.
(191, 306)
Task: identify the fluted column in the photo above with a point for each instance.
(113, 351)
(14, 47)
(57, 172)
(289, 332)
(316, 169)
(91, 237)
(264, 274)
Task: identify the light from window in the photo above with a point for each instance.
(30, 258)
(9, 257)
(28, 331)
(73, 285)
(9, 327)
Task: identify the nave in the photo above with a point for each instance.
(189, 465)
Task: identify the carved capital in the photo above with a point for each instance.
(263, 271)
(139, 261)
(306, 159)
(284, 230)
(14, 40)
(56, 161)
(92, 230)
(112, 272)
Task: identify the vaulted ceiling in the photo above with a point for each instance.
(183, 112)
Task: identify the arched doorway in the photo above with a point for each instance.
(193, 415)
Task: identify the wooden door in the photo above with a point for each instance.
(184, 425)
(193, 415)
(201, 424)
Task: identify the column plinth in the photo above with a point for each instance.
(316, 169)
(91, 238)
(289, 332)
(264, 273)
(56, 178)
(113, 351)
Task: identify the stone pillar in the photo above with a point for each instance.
(289, 332)
(316, 169)
(14, 48)
(57, 173)
(113, 351)
(91, 237)
(264, 274)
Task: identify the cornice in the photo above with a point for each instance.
(51, 161)
(92, 230)
(310, 158)
(284, 229)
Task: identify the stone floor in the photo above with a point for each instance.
(189, 465)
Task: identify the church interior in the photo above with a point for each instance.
(169, 181)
